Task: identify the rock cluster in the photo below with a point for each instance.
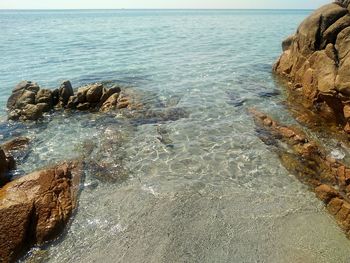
(36, 207)
(329, 178)
(316, 59)
(28, 101)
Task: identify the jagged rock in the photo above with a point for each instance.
(29, 102)
(27, 97)
(26, 85)
(16, 144)
(83, 106)
(72, 102)
(55, 97)
(94, 93)
(65, 91)
(3, 168)
(110, 103)
(44, 96)
(316, 59)
(308, 161)
(16, 150)
(35, 208)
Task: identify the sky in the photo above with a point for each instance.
(161, 4)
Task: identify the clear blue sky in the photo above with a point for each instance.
(106, 4)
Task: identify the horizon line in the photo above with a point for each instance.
(145, 9)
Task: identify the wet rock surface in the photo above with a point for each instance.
(309, 162)
(35, 208)
(316, 61)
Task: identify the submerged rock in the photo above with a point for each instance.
(316, 60)
(309, 162)
(18, 91)
(35, 208)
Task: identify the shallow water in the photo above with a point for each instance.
(196, 187)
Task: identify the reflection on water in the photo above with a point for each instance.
(185, 180)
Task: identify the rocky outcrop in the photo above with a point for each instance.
(305, 158)
(28, 101)
(35, 208)
(316, 60)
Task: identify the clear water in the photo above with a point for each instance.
(213, 192)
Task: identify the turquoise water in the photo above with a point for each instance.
(214, 192)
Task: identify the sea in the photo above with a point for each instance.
(191, 183)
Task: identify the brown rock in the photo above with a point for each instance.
(55, 97)
(32, 112)
(3, 168)
(94, 93)
(18, 91)
(16, 144)
(326, 193)
(44, 107)
(317, 57)
(110, 103)
(335, 205)
(36, 207)
(44, 96)
(347, 128)
(26, 85)
(346, 111)
(72, 102)
(343, 212)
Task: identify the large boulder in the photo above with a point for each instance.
(316, 59)
(35, 208)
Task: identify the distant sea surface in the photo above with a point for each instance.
(214, 192)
